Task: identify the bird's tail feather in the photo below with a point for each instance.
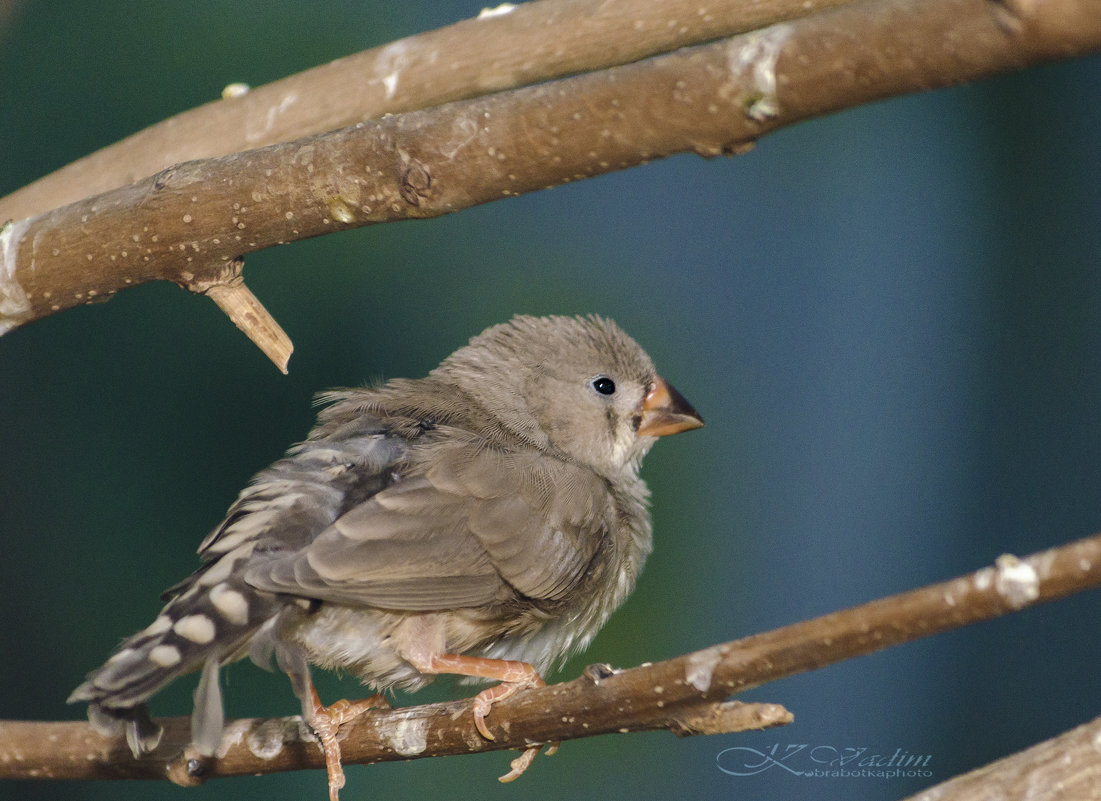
(208, 624)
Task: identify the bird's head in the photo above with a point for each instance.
(576, 386)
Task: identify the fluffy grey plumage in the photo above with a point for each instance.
(492, 509)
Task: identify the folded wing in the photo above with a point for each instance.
(479, 527)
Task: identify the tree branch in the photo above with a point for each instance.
(531, 43)
(187, 222)
(1064, 767)
(686, 695)
(227, 289)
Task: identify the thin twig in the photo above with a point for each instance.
(686, 694)
(227, 289)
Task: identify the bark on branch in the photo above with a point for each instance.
(186, 223)
(687, 695)
(531, 43)
(1065, 767)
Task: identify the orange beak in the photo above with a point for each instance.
(665, 412)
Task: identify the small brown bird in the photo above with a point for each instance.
(483, 521)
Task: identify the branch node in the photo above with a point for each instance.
(416, 179)
(1016, 581)
(188, 770)
(599, 671)
(15, 306)
(228, 290)
(727, 717)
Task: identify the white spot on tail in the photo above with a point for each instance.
(231, 605)
(125, 653)
(162, 624)
(197, 628)
(165, 656)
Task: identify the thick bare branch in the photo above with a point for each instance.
(532, 42)
(72, 750)
(686, 694)
(187, 222)
(1064, 767)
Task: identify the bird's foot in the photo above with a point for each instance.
(523, 762)
(514, 676)
(483, 703)
(326, 722)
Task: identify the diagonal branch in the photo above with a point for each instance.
(686, 694)
(187, 222)
(1064, 767)
(530, 43)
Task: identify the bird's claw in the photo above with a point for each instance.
(520, 764)
(484, 701)
(325, 727)
(514, 676)
(326, 723)
(481, 709)
(523, 762)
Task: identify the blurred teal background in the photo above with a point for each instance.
(889, 319)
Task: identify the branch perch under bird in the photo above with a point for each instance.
(604, 701)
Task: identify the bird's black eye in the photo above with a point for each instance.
(604, 385)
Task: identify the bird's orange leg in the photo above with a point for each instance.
(326, 722)
(514, 676)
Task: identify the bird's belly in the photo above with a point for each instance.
(358, 641)
(547, 643)
(369, 643)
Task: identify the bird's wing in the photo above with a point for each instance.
(288, 504)
(541, 521)
(468, 532)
